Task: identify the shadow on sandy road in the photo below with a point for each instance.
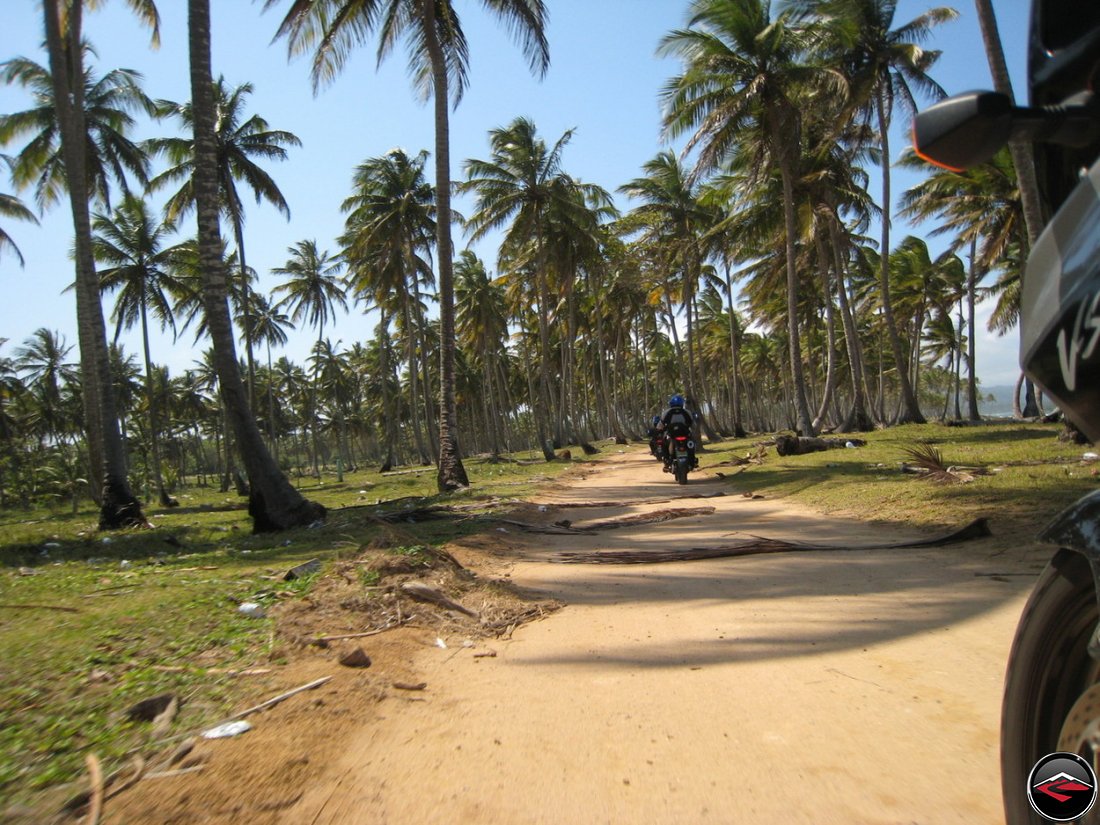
(780, 605)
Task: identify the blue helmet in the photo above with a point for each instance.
(676, 400)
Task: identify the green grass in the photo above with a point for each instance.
(1032, 477)
(148, 602)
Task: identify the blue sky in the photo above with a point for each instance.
(603, 82)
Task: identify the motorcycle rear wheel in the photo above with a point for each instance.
(681, 471)
(1048, 670)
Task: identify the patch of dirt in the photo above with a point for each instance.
(255, 777)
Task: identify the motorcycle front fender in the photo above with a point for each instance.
(1077, 529)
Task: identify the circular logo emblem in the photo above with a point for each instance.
(1061, 787)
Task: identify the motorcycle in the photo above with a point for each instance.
(1052, 685)
(679, 461)
(657, 446)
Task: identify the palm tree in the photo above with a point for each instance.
(274, 504)
(75, 129)
(388, 236)
(313, 290)
(982, 210)
(269, 327)
(672, 211)
(41, 363)
(333, 376)
(131, 243)
(438, 59)
(109, 102)
(482, 330)
(745, 77)
(523, 186)
(12, 207)
(239, 140)
(884, 66)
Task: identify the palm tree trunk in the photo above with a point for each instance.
(831, 372)
(246, 310)
(958, 363)
(735, 356)
(794, 347)
(972, 343)
(118, 506)
(412, 336)
(273, 503)
(1022, 158)
(451, 474)
(910, 413)
(545, 393)
(695, 387)
(389, 404)
(154, 436)
(314, 417)
(1020, 151)
(676, 346)
(271, 407)
(857, 420)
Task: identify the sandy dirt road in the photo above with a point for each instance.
(809, 687)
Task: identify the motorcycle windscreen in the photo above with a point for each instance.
(1060, 307)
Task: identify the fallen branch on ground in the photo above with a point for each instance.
(565, 527)
(631, 502)
(424, 593)
(110, 789)
(273, 701)
(750, 458)
(979, 528)
(321, 640)
(95, 776)
(176, 772)
(506, 626)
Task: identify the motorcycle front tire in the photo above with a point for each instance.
(1048, 669)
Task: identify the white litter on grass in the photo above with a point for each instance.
(227, 730)
(1090, 457)
(252, 610)
(501, 530)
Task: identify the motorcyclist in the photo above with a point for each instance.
(676, 420)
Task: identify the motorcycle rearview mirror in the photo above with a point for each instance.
(963, 130)
(969, 128)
